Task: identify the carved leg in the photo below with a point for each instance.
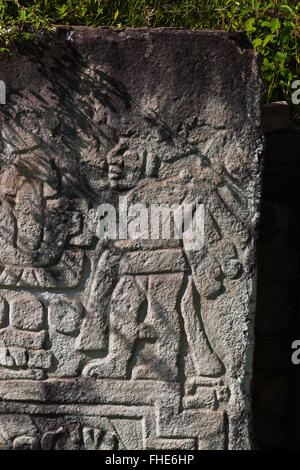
(205, 360)
(94, 331)
(125, 305)
(161, 362)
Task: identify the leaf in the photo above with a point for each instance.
(63, 9)
(280, 57)
(290, 10)
(267, 39)
(265, 24)
(267, 76)
(257, 42)
(249, 25)
(23, 15)
(267, 65)
(244, 12)
(285, 35)
(256, 5)
(275, 25)
(116, 15)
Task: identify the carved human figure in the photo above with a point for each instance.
(142, 310)
(36, 220)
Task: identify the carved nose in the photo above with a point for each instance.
(29, 215)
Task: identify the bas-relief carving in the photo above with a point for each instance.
(57, 434)
(136, 317)
(153, 326)
(36, 221)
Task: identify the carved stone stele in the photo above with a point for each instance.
(134, 342)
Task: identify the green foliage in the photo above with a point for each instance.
(273, 26)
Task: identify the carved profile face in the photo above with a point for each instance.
(35, 220)
(124, 166)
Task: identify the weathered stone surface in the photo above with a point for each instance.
(40, 359)
(14, 337)
(3, 313)
(65, 316)
(27, 313)
(19, 355)
(135, 342)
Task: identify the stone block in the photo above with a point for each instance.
(19, 355)
(27, 313)
(65, 316)
(141, 120)
(5, 358)
(24, 339)
(40, 359)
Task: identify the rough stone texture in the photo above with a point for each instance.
(27, 313)
(140, 344)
